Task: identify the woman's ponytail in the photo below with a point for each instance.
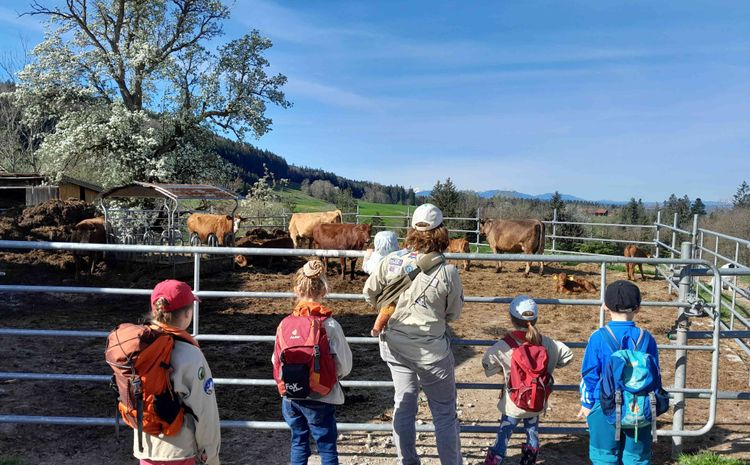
(533, 336)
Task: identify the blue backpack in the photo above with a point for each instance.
(631, 392)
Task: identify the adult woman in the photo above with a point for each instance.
(415, 342)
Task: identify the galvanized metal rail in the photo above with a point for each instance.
(711, 393)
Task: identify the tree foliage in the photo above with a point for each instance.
(698, 207)
(741, 198)
(131, 87)
(445, 196)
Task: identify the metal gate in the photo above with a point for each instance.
(687, 306)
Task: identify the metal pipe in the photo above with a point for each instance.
(671, 249)
(725, 236)
(196, 289)
(554, 229)
(602, 287)
(285, 295)
(680, 370)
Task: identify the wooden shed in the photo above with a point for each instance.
(27, 189)
(24, 189)
(71, 188)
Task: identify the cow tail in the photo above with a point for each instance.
(540, 246)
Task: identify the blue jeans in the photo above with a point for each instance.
(604, 450)
(308, 417)
(507, 425)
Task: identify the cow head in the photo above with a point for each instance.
(485, 224)
(237, 222)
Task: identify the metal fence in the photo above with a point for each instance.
(686, 269)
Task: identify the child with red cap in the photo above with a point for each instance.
(199, 437)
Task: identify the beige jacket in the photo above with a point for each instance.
(497, 359)
(199, 437)
(418, 329)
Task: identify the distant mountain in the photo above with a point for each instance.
(710, 204)
(513, 195)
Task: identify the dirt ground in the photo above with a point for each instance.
(41, 444)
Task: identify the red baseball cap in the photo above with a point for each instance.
(177, 294)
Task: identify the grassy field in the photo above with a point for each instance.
(303, 202)
(708, 458)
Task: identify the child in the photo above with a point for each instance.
(623, 300)
(308, 404)
(172, 310)
(523, 316)
(385, 243)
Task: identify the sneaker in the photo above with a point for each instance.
(528, 455)
(492, 458)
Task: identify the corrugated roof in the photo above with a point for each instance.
(172, 191)
(78, 182)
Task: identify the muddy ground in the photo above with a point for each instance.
(41, 444)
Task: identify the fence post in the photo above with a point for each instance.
(680, 365)
(675, 223)
(554, 229)
(479, 232)
(602, 287)
(656, 241)
(356, 219)
(196, 288)
(694, 232)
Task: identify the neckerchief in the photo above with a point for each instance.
(178, 333)
(305, 308)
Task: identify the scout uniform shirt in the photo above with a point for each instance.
(418, 328)
(199, 436)
(497, 359)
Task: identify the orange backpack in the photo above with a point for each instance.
(140, 357)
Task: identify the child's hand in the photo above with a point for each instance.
(368, 253)
(374, 332)
(584, 412)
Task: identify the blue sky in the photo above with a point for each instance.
(598, 99)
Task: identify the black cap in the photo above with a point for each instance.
(622, 296)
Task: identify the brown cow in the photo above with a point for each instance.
(515, 236)
(204, 225)
(276, 243)
(301, 225)
(633, 251)
(89, 231)
(460, 245)
(569, 284)
(342, 237)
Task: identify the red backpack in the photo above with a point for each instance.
(303, 365)
(529, 385)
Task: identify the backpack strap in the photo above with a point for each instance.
(618, 414)
(652, 403)
(614, 344)
(511, 341)
(639, 342)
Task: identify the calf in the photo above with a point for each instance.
(277, 243)
(460, 245)
(89, 231)
(342, 237)
(570, 284)
(633, 251)
(204, 225)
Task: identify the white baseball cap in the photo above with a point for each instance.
(524, 308)
(426, 217)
